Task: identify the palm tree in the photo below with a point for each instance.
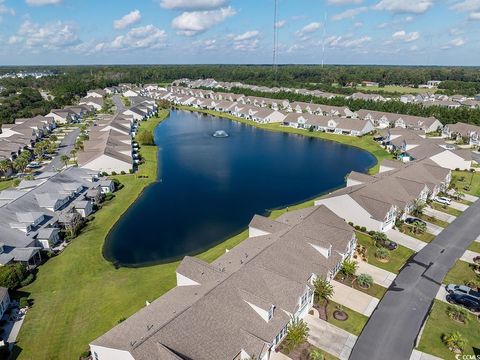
(316, 354)
(323, 290)
(73, 154)
(349, 268)
(20, 164)
(418, 208)
(454, 341)
(65, 159)
(378, 236)
(419, 227)
(5, 166)
(297, 333)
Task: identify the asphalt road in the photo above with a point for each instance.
(117, 100)
(393, 328)
(67, 145)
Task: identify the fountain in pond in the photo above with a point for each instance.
(220, 134)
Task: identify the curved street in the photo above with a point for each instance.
(393, 328)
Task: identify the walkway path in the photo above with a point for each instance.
(440, 215)
(330, 338)
(392, 329)
(418, 355)
(381, 277)
(406, 240)
(353, 298)
(468, 256)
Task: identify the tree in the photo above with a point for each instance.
(382, 253)
(379, 237)
(145, 137)
(349, 268)
(297, 333)
(65, 159)
(418, 208)
(5, 166)
(73, 154)
(365, 280)
(454, 341)
(457, 313)
(419, 227)
(12, 275)
(323, 290)
(20, 163)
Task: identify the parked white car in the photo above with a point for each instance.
(443, 200)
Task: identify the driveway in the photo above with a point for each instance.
(392, 330)
(442, 293)
(353, 299)
(381, 277)
(468, 256)
(406, 240)
(330, 338)
(440, 215)
(66, 145)
(458, 206)
(470, 198)
(433, 229)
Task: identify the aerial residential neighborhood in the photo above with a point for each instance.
(239, 180)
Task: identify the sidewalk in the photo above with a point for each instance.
(468, 256)
(439, 215)
(418, 355)
(330, 338)
(353, 299)
(381, 277)
(405, 240)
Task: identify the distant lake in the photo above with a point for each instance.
(209, 188)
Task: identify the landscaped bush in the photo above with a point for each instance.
(130, 171)
(114, 173)
(363, 229)
(24, 302)
(28, 280)
(365, 280)
(382, 253)
(458, 313)
(12, 275)
(357, 227)
(122, 172)
(455, 342)
(350, 223)
(109, 196)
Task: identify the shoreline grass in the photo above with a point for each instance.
(365, 142)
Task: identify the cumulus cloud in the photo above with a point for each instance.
(191, 5)
(196, 22)
(141, 37)
(280, 24)
(457, 42)
(350, 13)
(404, 6)
(309, 29)
(474, 16)
(402, 35)
(247, 41)
(5, 10)
(343, 2)
(131, 18)
(466, 5)
(206, 44)
(54, 35)
(346, 41)
(246, 35)
(43, 2)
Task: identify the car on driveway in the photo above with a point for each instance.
(412, 220)
(469, 302)
(34, 165)
(389, 244)
(462, 290)
(443, 200)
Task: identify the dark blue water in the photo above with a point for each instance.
(209, 188)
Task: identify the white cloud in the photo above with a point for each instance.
(466, 5)
(350, 13)
(246, 35)
(402, 35)
(358, 24)
(43, 2)
(404, 6)
(280, 23)
(5, 10)
(192, 5)
(196, 22)
(457, 42)
(474, 15)
(346, 41)
(54, 35)
(142, 37)
(206, 44)
(308, 29)
(343, 2)
(131, 18)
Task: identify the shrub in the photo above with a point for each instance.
(458, 313)
(104, 173)
(12, 275)
(122, 172)
(28, 280)
(114, 173)
(382, 253)
(454, 341)
(357, 227)
(349, 268)
(24, 302)
(85, 354)
(145, 137)
(297, 334)
(350, 223)
(363, 229)
(130, 171)
(371, 232)
(365, 280)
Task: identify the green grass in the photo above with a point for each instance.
(395, 89)
(460, 273)
(446, 209)
(277, 212)
(439, 323)
(78, 295)
(470, 179)
(475, 247)
(355, 322)
(464, 202)
(374, 290)
(434, 220)
(365, 142)
(6, 184)
(425, 236)
(398, 257)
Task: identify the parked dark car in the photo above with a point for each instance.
(467, 301)
(462, 290)
(389, 244)
(412, 220)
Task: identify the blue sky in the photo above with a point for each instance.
(403, 32)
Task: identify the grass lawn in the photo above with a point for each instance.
(78, 295)
(460, 273)
(475, 247)
(365, 142)
(439, 323)
(446, 209)
(434, 220)
(6, 184)
(425, 237)
(463, 201)
(461, 179)
(355, 322)
(398, 257)
(375, 290)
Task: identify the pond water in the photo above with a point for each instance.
(209, 188)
